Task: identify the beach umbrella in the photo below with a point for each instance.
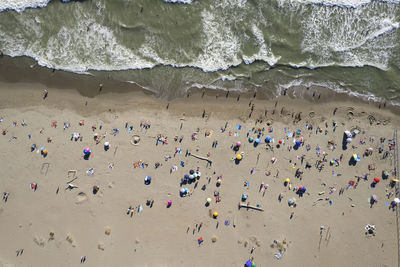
(376, 180)
(287, 180)
(182, 190)
(253, 264)
(238, 143)
(107, 144)
(268, 139)
(215, 214)
(280, 142)
(257, 141)
(87, 151)
(244, 196)
(355, 156)
(191, 171)
(349, 140)
(191, 176)
(298, 132)
(198, 174)
(291, 201)
(248, 263)
(195, 175)
(208, 200)
(42, 148)
(374, 197)
(251, 139)
(44, 151)
(300, 188)
(239, 157)
(169, 203)
(348, 134)
(395, 180)
(298, 143)
(397, 200)
(186, 176)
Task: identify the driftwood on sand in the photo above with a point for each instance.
(199, 157)
(250, 207)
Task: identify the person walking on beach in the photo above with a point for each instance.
(5, 196)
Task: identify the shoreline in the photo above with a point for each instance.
(16, 70)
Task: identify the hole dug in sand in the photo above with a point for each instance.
(81, 198)
(100, 246)
(107, 230)
(70, 240)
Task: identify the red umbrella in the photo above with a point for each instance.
(376, 180)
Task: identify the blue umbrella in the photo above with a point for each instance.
(248, 263)
(257, 140)
(268, 139)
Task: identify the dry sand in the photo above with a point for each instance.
(97, 225)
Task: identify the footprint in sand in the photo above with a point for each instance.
(81, 198)
(39, 241)
(4, 264)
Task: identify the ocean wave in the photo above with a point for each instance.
(264, 53)
(179, 1)
(350, 37)
(338, 3)
(367, 96)
(21, 5)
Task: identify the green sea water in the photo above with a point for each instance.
(265, 45)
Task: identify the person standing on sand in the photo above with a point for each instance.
(45, 93)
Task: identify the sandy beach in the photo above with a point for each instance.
(61, 209)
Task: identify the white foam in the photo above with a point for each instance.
(264, 53)
(349, 37)
(179, 1)
(20, 5)
(230, 3)
(340, 3)
(221, 45)
(367, 96)
(97, 49)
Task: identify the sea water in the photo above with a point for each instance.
(168, 46)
